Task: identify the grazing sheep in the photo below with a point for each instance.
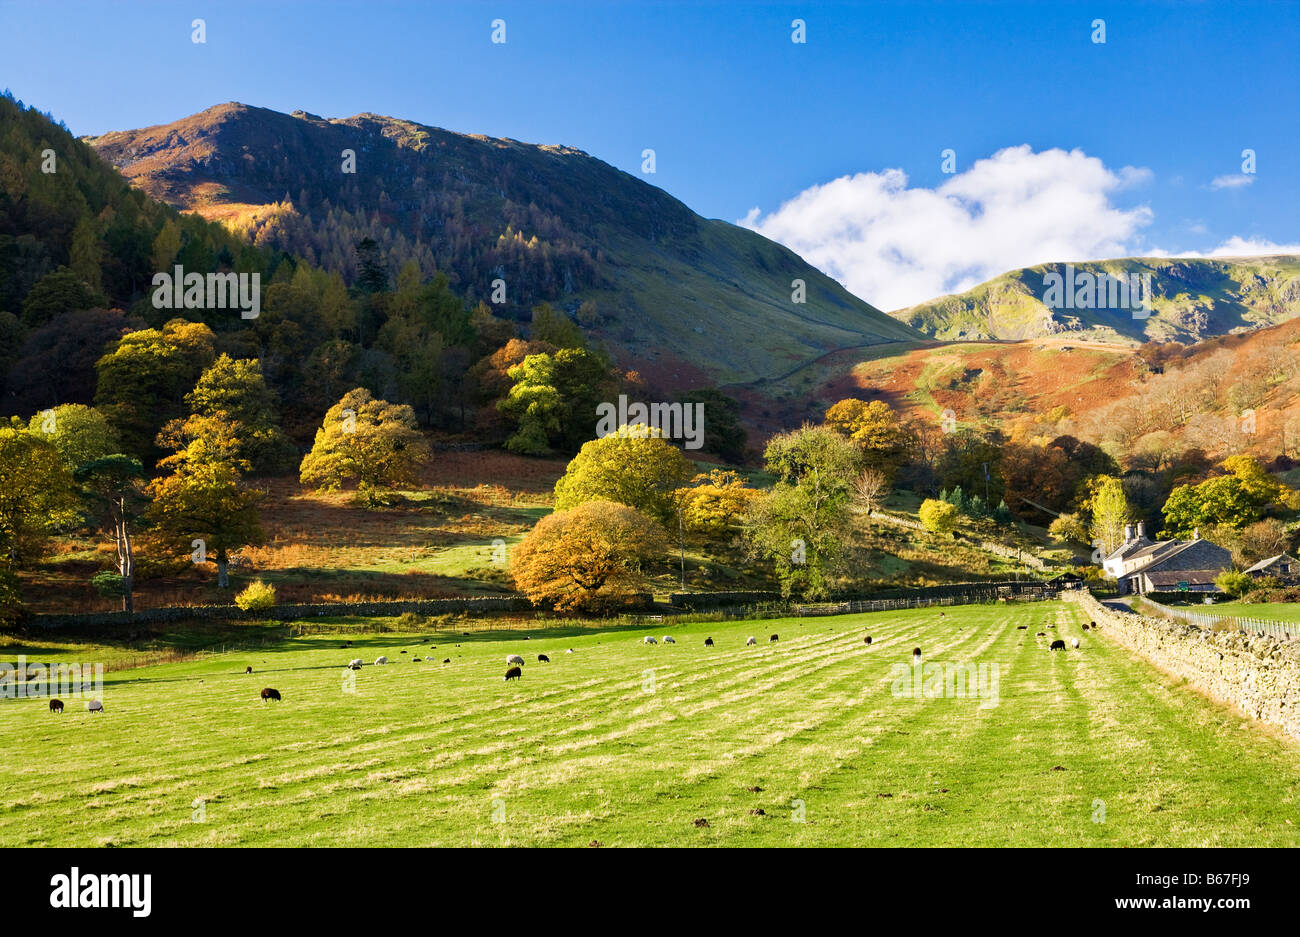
(1041, 634)
(514, 659)
(543, 659)
(867, 639)
(379, 661)
(1091, 624)
(354, 664)
(649, 640)
(1057, 645)
(446, 660)
(774, 638)
(708, 642)
(56, 705)
(750, 641)
(1074, 643)
(248, 670)
(916, 655)
(1021, 627)
(95, 706)
(669, 639)
(569, 651)
(269, 693)
(514, 673)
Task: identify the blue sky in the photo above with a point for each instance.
(741, 118)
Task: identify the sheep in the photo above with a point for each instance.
(269, 693)
(750, 641)
(446, 660)
(543, 659)
(1041, 634)
(1021, 627)
(354, 664)
(380, 661)
(514, 659)
(514, 673)
(669, 639)
(1074, 643)
(1057, 645)
(56, 705)
(248, 670)
(649, 640)
(867, 639)
(569, 651)
(708, 642)
(95, 706)
(916, 655)
(774, 637)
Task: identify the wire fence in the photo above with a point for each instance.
(1282, 630)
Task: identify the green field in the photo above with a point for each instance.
(589, 748)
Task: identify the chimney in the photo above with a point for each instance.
(1128, 533)
(1142, 529)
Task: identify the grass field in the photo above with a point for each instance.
(629, 744)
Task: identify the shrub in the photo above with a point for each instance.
(107, 583)
(258, 597)
(1234, 583)
(939, 517)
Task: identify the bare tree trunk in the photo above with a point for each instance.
(223, 568)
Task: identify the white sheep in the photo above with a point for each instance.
(380, 660)
(1074, 643)
(668, 639)
(354, 664)
(514, 659)
(650, 640)
(95, 706)
(750, 641)
(569, 651)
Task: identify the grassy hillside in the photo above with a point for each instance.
(587, 749)
(1193, 299)
(667, 287)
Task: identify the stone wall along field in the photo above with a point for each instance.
(1259, 675)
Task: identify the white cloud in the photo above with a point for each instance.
(1233, 181)
(1235, 246)
(896, 246)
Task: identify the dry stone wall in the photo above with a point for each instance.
(1260, 675)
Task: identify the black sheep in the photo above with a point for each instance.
(774, 638)
(268, 693)
(543, 659)
(867, 639)
(56, 705)
(514, 673)
(708, 642)
(1057, 646)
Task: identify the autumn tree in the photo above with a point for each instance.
(633, 467)
(1110, 511)
(372, 442)
(205, 497)
(553, 400)
(802, 523)
(143, 379)
(714, 503)
(875, 429)
(81, 434)
(235, 387)
(591, 558)
(36, 497)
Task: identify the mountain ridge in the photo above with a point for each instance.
(1193, 299)
(639, 270)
